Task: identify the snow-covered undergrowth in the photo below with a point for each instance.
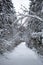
(21, 55)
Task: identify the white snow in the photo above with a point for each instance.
(21, 55)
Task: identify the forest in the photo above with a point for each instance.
(13, 31)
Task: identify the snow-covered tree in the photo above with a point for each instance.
(33, 23)
(36, 9)
(7, 18)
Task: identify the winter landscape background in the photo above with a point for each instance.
(21, 32)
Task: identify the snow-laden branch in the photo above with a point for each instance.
(24, 10)
(32, 12)
(24, 7)
(33, 16)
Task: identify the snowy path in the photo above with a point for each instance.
(21, 55)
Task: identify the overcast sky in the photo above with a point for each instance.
(17, 4)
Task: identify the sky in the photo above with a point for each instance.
(17, 4)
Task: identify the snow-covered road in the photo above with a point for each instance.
(21, 55)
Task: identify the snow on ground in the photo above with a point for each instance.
(21, 55)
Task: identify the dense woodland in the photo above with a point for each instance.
(12, 33)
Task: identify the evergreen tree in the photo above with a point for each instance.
(35, 9)
(7, 17)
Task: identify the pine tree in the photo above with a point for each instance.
(35, 9)
(7, 17)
